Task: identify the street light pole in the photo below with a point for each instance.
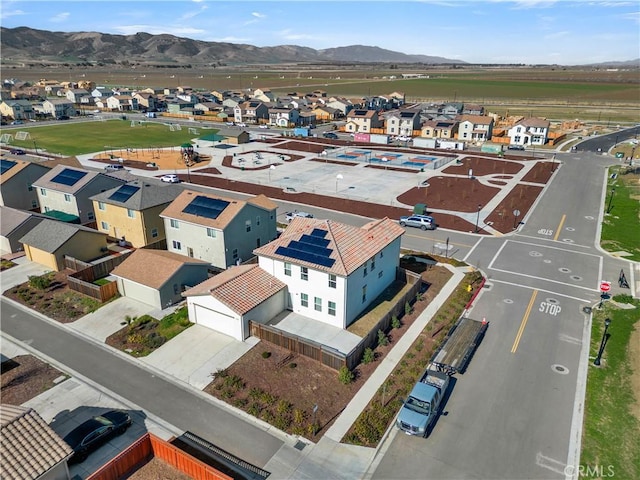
(603, 342)
(478, 218)
(613, 191)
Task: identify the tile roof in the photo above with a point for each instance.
(151, 193)
(45, 181)
(175, 209)
(351, 246)
(240, 288)
(29, 447)
(17, 168)
(50, 235)
(153, 268)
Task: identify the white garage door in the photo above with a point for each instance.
(218, 321)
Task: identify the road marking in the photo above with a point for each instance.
(436, 239)
(543, 239)
(551, 464)
(523, 324)
(555, 248)
(583, 300)
(564, 217)
(588, 289)
(569, 339)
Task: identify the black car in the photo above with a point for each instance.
(515, 147)
(330, 135)
(97, 431)
(62, 117)
(17, 151)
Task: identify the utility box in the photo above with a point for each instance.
(420, 209)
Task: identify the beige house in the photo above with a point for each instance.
(17, 109)
(57, 107)
(131, 212)
(445, 129)
(475, 128)
(49, 241)
(16, 184)
(363, 121)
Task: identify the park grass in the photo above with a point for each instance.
(620, 225)
(611, 433)
(76, 138)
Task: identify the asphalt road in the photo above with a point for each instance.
(155, 394)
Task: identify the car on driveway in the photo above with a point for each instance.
(425, 222)
(95, 432)
(114, 167)
(170, 178)
(291, 215)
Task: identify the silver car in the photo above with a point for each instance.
(425, 222)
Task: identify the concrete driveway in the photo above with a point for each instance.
(21, 272)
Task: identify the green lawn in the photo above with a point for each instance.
(611, 434)
(620, 226)
(87, 137)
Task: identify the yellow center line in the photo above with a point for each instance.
(523, 324)
(560, 227)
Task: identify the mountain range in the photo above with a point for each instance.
(28, 45)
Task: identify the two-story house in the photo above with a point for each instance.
(69, 190)
(342, 104)
(122, 103)
(75, 94)
(57, 107)
(131, 212)
(146, 100)
(252, 111)
(283, 116)
(16, 183)
(402, 122)
(529, 131)
(222, 231)
(327, 114)
(17, 109)
(444, 129)
(363, 121)
(475, 128)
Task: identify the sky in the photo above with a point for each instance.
(565, 32)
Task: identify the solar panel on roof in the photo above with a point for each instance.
(68, 177)
(124, 193)
(6, 165)
(308, 247)
(206, 207)
(305, 256)
(318, 232)
(322, 242)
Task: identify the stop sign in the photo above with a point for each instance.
(605, 286)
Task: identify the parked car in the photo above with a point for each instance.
(170, 178)
(229, 124)
(114, 167)
(17, 122)
(241, 124)
(17, 151)
(515, 147)
(291, 215)
(95, 432)
(330, 135)
(425, 222)
(264, 126)
(62, 117)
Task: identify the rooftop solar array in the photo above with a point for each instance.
(68, 177)
(206, 207)
(310, 248)
(6, 165)
(124, 193)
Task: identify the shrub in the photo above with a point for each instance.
(240, 403)
(220, 373)
(234, 381)
(284, 406)
(345, 376)
(297, 430)
(266, 354)
(407, 308)
(293, 365)
(299, 416)
(368, 356)
(254, 409)
(418, 296)
(227, 393)
(153, 340)
(135, 338)
(282, 422)
(395, 322)
(41, 282)
(255, 393)
(382, 339)
(267, 416)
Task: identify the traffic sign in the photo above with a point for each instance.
(605, 286)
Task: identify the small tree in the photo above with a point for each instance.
(40, 282)
(382, 338)
(395, 322)
(345, 375)
(407, 308)
(368, 356)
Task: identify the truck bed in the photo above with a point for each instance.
(456, 351)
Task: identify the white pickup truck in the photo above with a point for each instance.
(291, 215)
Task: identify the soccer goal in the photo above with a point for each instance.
(193, 131)
(175, 127)
(6, 138)
(23, 135)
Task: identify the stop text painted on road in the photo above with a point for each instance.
(545, 231)
(550, 308)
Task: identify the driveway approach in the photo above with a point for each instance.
(517, 411)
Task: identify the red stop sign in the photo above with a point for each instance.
(605, 286)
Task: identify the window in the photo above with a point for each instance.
(304, 299)
(365, 270)
(304, 273)
(177, 245)
(91, 216)
(381, 254)
(235, 253)
(104, 226)
(373, 263)
(332, 281)
(258, 221)
(34, 204)
(176, 290)
(67, 197)
(101, 206)
(174, 223)
(364, 293)
(211, 233)
(30, 188)
(332, 309)
(317, 304)
(154, 232)
(380, 274)
(287, 269)
(43, 192)
(46, 209)
(131, 213)
(247, 225)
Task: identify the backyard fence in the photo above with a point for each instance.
(329, 356)
(86, 273)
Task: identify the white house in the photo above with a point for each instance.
(332, 270)
(529, 131)
(475, 128)
(402, 122)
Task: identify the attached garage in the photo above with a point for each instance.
(217, 320)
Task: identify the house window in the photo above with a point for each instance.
(176, 289)
(304, 299)
(373, 263)
(258, 221)
(287, 269)
(104, 226)
(101, 206)
(91, 216)
(317, 304)
(304, 273)
(67, 197)
(235, 254)
(174, 223)
(30, 188)
(332, 309)
(177, 245)
(46, 209)
(332, 281)
(43, 192)
(130, 213)
(271, 216)
(211, 233)
(381, 254)
(34, 204)
(154, 232)
(365, 270)
(364, 293)
(380, 274)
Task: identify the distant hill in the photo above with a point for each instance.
(24, 44)
(624, 64)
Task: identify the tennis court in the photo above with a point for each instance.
(347, 156)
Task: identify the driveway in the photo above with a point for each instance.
(21, 272)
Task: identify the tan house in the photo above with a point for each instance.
(131, 212)
(17, 109)
(49, 241)
(326, 114)
(445, 129)
(363, 121)
(475, 128)
(30, 447)
(16, 183)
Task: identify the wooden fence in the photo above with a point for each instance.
(327, 355)
(149, 446)
(86, 273)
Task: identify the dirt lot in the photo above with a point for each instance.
(25, 377)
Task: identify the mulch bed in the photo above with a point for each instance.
(450, 193)
(541, 172)
(395, 169)
(211, 170)
(520, 198)
(25, 377)
(333, 162)
(483, 166)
